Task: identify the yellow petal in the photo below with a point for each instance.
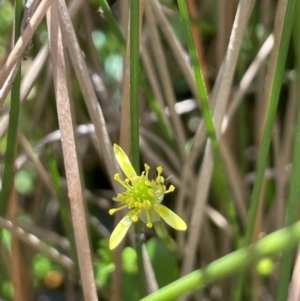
(124, 162)
(120, 231)
(170, 217)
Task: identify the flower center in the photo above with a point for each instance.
(143, 194)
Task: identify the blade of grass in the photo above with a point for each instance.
(152, 102)
(282, 150)
(69, 154)
(193, 12)
(281, 50)
(124, 141)
(11, 144)
(104, 6)
(294, 187)
(134, 82)
(219, 100)
(134, 123)
(284, 24)
(220, 168)
(291, 216)
(124, 137)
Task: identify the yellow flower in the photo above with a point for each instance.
(143, 197)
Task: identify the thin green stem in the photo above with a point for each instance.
(134, 83)
(208, 119)
(270, 118)
(291, 216)
(294, 189)
(11, 146)
(152, 101)
(104, 6)
(134, 123)
(271, 244)
(267, 133)
(165, 237)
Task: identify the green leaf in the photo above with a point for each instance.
(163, 261)
(129, 261)
(130, 289)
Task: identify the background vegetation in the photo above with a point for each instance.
(207, 89)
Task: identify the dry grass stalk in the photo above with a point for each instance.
(19, 48)
(69, 152)
(219, 98)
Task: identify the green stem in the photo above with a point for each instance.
(11, 146)
(134, 123)
(163, 234)
(152, 102)
(267, 133)
(112, 22)
(208, 119)
(291, 216)
(134, 83)
(270, 118)
(229, 264)
(294, 189)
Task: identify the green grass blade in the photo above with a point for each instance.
(291, 216)
(220, 168)
(294, 189)
(134, 122)
(267, 132)
(134, 83)
(271, 112)
(11, 146)
(113, 25)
